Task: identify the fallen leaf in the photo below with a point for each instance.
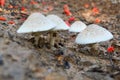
(71, 19)
(67, 12)
(97, 20)
(2, 3)
(2, 18)
(11, 22)
(95, 11)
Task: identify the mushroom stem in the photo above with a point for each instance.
(52, 38)
(95, 48)
(37, 36)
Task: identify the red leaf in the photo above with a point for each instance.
(97, 20)
(11, 22)
(2, 3)
(95, 10)
(71, 19)
(67, 12)
(23, 9)
(2, 18)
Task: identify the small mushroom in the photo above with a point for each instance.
(93, 34)
(77, 26)
(60, 25)
(36, 23)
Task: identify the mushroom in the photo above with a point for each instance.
(60, 25)
(77, 26)
(93, 34)
(36, 23)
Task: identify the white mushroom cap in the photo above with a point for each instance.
(36, 22)
(93, 34)
(61, 25)
(77, 26)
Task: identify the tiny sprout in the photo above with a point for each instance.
(110, 50)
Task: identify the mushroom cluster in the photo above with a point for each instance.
(91, 34)
(37, 23)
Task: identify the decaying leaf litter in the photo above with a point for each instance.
(21, 60)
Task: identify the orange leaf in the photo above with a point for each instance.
(71, 19)
(2, 3)
(97, 20)
(2, 18)
(11, 22)
(95, 10)
(67, 12)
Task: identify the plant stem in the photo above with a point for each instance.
(110, 58)
(36, 36)
(52, 38)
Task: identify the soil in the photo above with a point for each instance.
(20, 59)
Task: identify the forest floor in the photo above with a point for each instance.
(21, 60)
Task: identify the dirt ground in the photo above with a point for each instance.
(20, 59)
